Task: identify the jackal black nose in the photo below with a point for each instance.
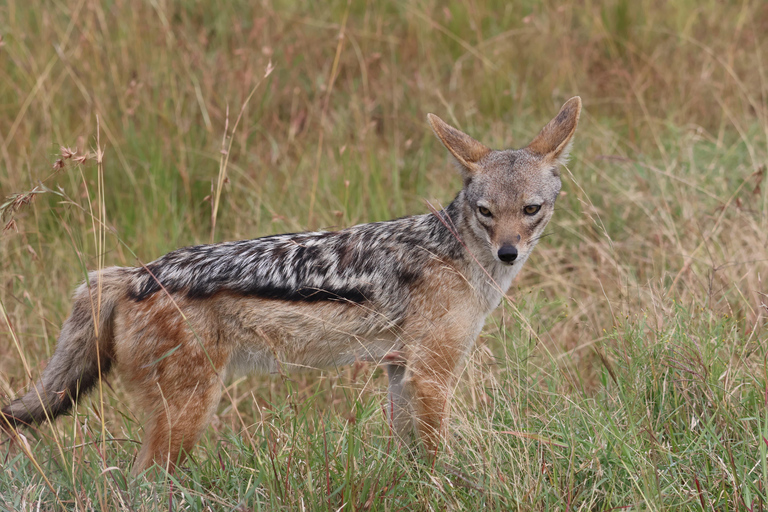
(508, 253)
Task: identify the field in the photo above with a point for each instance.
(628, 369)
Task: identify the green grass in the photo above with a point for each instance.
(628, 369)
(678, 420)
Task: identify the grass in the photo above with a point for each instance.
(626, 371)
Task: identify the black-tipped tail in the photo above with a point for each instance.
(80, 356)
(39, 404)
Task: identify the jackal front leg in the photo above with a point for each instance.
(420, 393)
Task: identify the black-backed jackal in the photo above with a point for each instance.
(411, 294)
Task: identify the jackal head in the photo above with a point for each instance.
(509, 195)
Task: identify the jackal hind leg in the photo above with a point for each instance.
(174, 374)
(175, 425)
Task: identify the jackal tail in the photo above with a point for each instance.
(84, 345)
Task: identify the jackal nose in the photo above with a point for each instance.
(508, 253)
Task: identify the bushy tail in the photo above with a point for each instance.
(74, 368)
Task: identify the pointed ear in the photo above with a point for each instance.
(464, 148)
(554, 140)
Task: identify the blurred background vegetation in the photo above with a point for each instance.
(633, 344)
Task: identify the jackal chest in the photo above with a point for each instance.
(491, 282)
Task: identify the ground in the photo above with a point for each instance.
(628, 367)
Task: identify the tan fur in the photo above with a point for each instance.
(464, 148)
(555, 137)
(174, 344)
(446, 319)
(173, 367)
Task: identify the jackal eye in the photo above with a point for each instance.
(485, 212)
(532, 209)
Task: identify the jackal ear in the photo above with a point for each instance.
(464, 148)
(554, 140)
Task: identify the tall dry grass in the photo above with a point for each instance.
(664, 203)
